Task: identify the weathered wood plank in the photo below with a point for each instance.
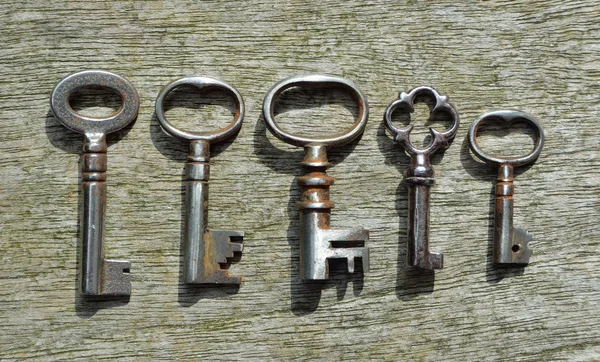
(541, 57)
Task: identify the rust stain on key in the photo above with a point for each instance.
(207, 252)
(318, 242)
(511, 245)
(419, 175)
(98, 277)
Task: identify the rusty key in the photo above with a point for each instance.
(98, 276)
(207, 252)
(511, 245)
(419, 175)
(318, 242)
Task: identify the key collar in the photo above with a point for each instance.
(313, 81)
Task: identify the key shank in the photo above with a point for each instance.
(206, 252)
(511, 245)
(97, 276)
(318, 242)
(419, 179)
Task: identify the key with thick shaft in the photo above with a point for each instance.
(317, 239)
(419, 175)
(207, 252)
(318, 242)
(511, 245)
(98, 276)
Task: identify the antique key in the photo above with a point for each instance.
(511, 245)
(206, 251)
(318, 242)
(419, 175)
(98, 277)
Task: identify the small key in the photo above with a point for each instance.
(511, 245)
(207, 252)
(318, 242)
(98, 277)
(419, 175)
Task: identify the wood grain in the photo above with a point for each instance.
(540, 57)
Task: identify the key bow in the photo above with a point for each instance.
(440, 140)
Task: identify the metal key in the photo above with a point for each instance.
(318, 242)
(419, 175)
(206, 251)
(98, 277)
(511, 245)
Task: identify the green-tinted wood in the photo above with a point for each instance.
(540, 57)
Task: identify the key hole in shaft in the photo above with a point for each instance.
(95, 101)
(516, 248)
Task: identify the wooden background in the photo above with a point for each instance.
(541, 57)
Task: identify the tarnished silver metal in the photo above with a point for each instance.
(511, 245)
(207, 252)
(315, 81)
(419, 175)
(318, 242)
(98, 277)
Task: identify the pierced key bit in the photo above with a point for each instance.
(207, 252)
(318, 242)
(511, 245)
(98, 277)
(419, 175)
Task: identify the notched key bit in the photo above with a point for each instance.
(511, 245)
(419, 175)
(219, 249)
(318, 242)
(98, 277)
(207, 253)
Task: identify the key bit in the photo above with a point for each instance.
(218, 249)
(418, 177)
(207, 253)
(97, 277)
(318, 242)
(117, 278)
(345, 250)
(520, 247)
(511, 245)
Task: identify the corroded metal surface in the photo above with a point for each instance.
(318, 242)
(207, 252)
(419, 175)
(511, 244)
(98, 276)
